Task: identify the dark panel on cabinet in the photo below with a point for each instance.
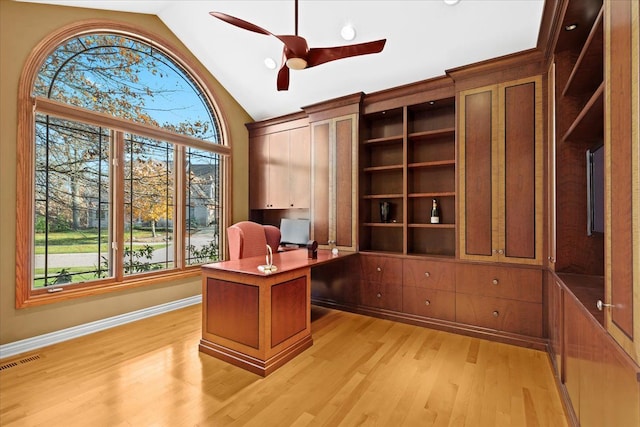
(344, 181)
(478, 167)
(520, 168)
(233, 311)
(288, 309)
(320, 165)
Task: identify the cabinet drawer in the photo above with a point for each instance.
(429, 274)
(429, 303)
(381, 295)
(503, 282)
(519, 317)
(381, 269)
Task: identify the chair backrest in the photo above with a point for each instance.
(248, 238)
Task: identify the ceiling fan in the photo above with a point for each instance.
(296, 53)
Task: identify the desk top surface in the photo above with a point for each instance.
(284, 261)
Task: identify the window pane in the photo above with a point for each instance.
(149, 198)
(72, 209)
(127, 78)
(203, 210)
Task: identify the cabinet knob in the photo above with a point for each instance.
(427, 274)
(291, 205)
(496, 313)
(378, 269)
(427, 302)
(494, 281)
(379, 295)
(500, 251)
(601, 305)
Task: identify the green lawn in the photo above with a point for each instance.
(86, 241)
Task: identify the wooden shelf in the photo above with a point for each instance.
(433, 133)
(588, 71)
(382, 168)
(440, 163)
(384, 140)
(431, 195)
(589, 124)
(382, 196)
(418, 225)
(384, 224)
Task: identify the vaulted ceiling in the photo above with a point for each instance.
(424, 38)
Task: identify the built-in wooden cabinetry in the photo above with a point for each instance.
(501, 167)
(592, 286)
(408, 159)
(334, 141)
(279, 161)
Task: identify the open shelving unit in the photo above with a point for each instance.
(407, 158)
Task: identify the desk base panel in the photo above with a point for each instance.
(253, 364)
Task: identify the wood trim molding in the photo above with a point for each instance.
(413, 93)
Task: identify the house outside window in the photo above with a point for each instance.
(124, 166)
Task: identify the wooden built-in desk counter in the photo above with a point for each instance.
(259, 321)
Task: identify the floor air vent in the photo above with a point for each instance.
(21, 362)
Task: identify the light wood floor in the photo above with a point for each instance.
(360, 371)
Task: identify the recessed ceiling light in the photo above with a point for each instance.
(451, 2)
(270, 63)
(571, 27)
(348, 32)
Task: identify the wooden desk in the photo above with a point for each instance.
(259, 321)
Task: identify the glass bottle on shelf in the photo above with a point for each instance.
(435, 212)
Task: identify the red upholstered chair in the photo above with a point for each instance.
(247, 239)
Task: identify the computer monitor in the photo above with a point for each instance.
(294, 232)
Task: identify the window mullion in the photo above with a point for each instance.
(117, 203)
(179, 208)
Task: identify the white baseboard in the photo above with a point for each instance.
(30, 344)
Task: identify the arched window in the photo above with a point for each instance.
(122, 166)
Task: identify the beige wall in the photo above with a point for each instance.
(22, 26)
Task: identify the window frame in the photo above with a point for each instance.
(29, 106)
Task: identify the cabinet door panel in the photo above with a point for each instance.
(501, 314)
(502, 282)
(387, 296)
(479, 133)
(428, 274)
(299, 168)
(520, 171)
(320, 181)
(429, 303)
(381, 269)
(345, 185)
(259, 172)
(279, 170)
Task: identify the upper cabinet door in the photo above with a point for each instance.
(299, 168)
(334, 179)
(622, 176)
(279, 170)
(259, 176)
(501, 165)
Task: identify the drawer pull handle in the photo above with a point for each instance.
(427, 274)
(496, 313)
(601, 305)
(494, 281)
(378, 269)
(379, 295)
(427, 302)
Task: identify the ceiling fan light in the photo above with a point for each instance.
(296, 63)
(348, 32)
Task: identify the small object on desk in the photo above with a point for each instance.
(334, 251)
(312, 249)
(268, 267)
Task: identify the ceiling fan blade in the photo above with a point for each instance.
(283, 77)
(320, 55)
(295, 45)
(240, 23)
